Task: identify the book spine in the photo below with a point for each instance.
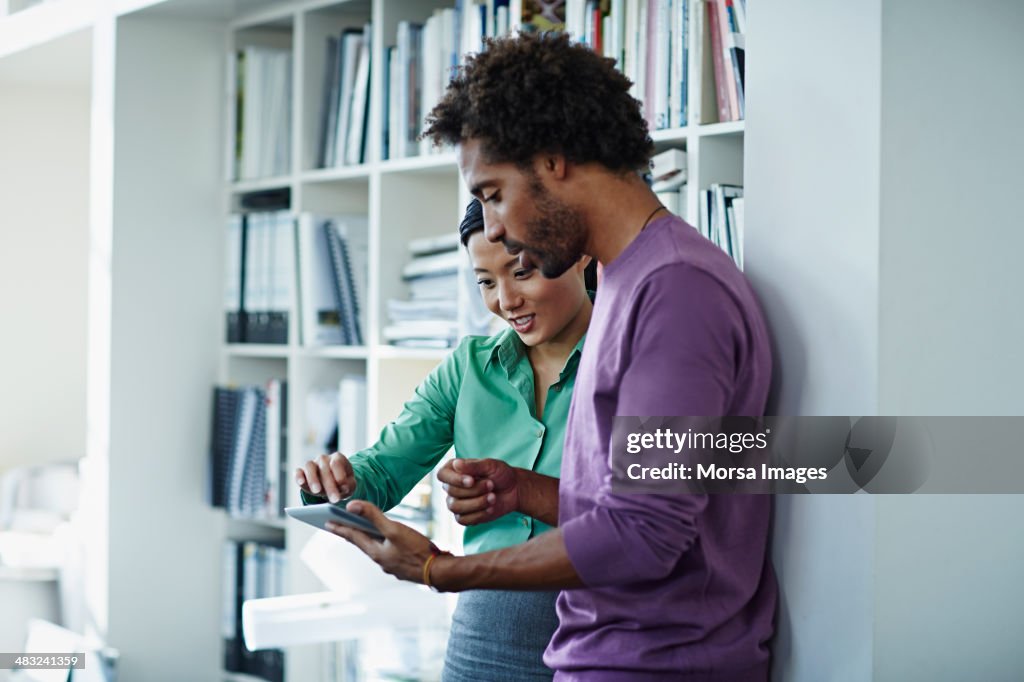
(724, 42)
(721, 86)
(662, 61)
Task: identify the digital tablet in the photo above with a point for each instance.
(319, 514)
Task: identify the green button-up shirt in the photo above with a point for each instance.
(480, 400)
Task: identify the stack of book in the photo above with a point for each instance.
(259, 277)
(251, 571)
(668, 180)
(333, 278)
(248, 462)
(345, 102)
(429, 318)
(649, 41)
(721, 219)
(262, 112)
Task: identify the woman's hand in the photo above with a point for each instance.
(329, 476)
(479, 490)
(403, 552)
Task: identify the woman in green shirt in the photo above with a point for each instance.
(505, 397)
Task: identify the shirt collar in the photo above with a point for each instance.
(510, 350)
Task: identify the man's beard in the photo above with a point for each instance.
(561, 230)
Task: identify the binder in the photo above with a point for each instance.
(320, 324)
(225, 415)
(280, 283)
(245, 421)
(276, 462)
(329, 101)
(254, 479)
(233, 279)
(231, 607)
(344, 284)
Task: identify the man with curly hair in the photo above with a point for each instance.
(655, 587)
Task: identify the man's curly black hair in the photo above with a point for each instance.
(541, 93)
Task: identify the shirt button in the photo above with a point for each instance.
(540, 432)
(526, 522)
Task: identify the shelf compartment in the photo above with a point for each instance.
(256, 350)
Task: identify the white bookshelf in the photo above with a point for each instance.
(136, 64)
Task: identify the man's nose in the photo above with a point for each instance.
(493, 229)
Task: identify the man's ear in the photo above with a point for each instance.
(554, 166)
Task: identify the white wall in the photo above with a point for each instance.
(44, 190)
(883, 164)
(165, 541)
(811, 173)
(949, 595)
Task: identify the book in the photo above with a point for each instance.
(410, 88)
(333, 279)
(352, 411)
(344, 284)
(737, 218)
(399, 310)
(718, 61)
(434, 286)
(251, 570)
(231, 612)
(276, 464)
(436, 264)
(424, 246)
(328, 101)
(263, 112)
(394, 106)
(281, 281)
(359, 116)
(223, 435)
(240, 455)
(735, 45)
(350, 46)
(233, 249)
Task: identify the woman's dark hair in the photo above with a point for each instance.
(541, 93)
(472, 222)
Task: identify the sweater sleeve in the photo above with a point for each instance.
(683, 361)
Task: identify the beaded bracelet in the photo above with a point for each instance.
(434, 553)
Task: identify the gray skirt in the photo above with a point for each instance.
(500, 636)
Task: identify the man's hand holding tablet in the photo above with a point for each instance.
(319, 515)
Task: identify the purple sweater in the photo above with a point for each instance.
(677, 587)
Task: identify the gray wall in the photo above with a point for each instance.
(883, 171)
(44, 200)
(949, 602)
(811, 172)
(165, 541)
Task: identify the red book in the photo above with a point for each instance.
(717, 58)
